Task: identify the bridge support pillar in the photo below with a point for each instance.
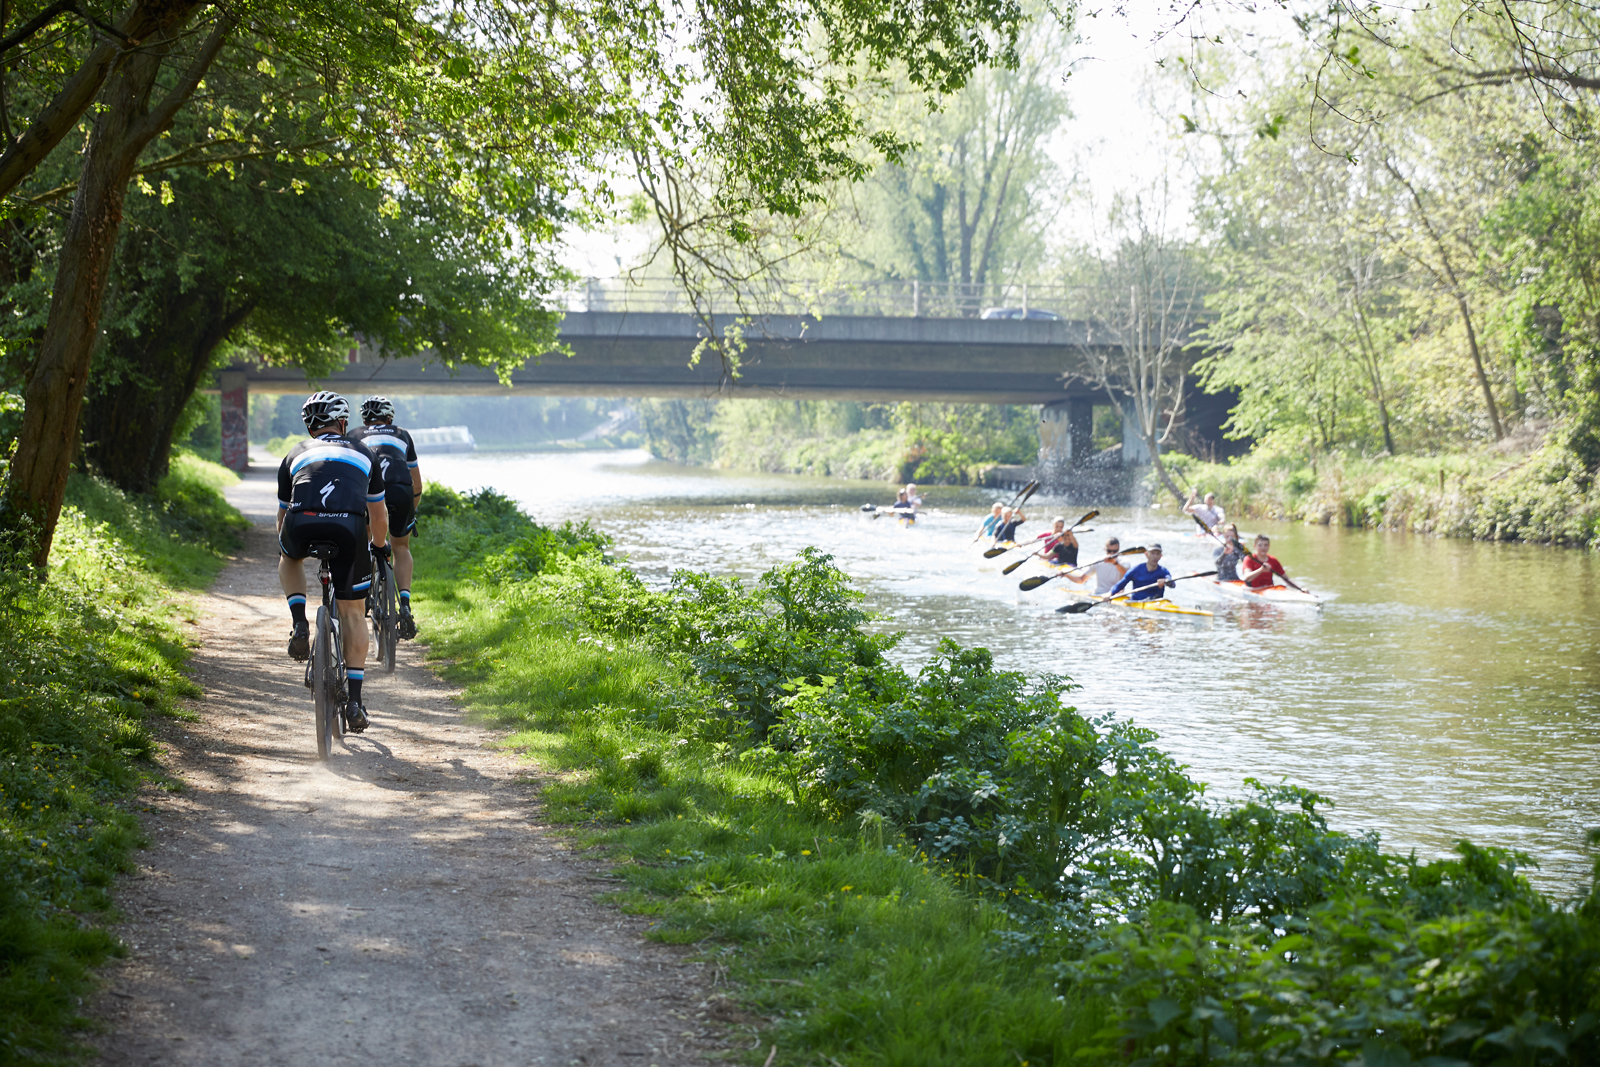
(235, 420)
(1066, 431)
(1134, 452)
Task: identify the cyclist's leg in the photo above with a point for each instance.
(402, 521)
(403, 565)
(352, 577)
(292, 578)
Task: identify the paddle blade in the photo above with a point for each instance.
(1077, 607)
(1085, 519)
(1017, 564)
(993, 552)
(869, 507)
(1034, 488)
(1027, 585)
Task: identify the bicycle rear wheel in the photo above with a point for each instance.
(391, 621)
(322, 683)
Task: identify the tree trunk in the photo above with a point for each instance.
(140, 388)
(1477, 365)
(54, 391)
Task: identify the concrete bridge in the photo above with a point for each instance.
(873, 343)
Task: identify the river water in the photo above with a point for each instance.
(1446, 690)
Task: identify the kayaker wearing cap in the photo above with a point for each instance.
(1260, 566)
(1060, 546)
(1106, 572)
(902, 502)
(912, 495)
(1149, 573)
(1208, 512)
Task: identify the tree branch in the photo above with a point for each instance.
(160, 117)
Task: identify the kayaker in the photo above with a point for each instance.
(1008, 529)
(1149, 573)
(1060, 546)
(911, 495)
(902, 503)
(1106, 572)
(1260, 566)
(1208, 512)
(991, 522)
(1229, 554)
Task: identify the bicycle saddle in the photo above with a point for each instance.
(323, 549)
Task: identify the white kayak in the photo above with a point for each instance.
(1272, 594)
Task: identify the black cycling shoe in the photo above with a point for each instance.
(405, 625)
(355, 717)
(300, 642)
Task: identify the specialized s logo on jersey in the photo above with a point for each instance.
(327, 491)
(383, 464)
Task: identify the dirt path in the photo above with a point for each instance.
(402, 904)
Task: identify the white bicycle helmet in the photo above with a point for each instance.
(377, 407)
(322, 408)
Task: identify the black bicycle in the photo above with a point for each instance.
(325, 671)
(384, 612)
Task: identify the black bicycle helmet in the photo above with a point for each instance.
(322, 408)
(374, 408)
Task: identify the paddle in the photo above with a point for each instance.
(1082, 606)
(1029, 489)
(1028, 585)
(993, 552)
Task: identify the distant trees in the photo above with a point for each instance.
(1406, 254)
(970, 201)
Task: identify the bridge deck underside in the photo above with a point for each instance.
(613, 354)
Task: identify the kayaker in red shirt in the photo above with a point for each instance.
(1259, 567)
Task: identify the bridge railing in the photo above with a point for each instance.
(899, 299)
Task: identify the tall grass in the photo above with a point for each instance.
(86, 658)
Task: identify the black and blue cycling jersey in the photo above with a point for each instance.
(329, 475)
(394, 451)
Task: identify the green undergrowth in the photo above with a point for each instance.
(86, 659)
(1546, 495)
(950, 865)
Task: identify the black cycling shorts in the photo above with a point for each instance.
(352, 567)
(402, 509)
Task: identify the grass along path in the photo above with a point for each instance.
(401, 905)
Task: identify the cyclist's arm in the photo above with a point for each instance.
(285, 491)
(416, 482)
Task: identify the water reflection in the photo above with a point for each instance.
(1447, 690)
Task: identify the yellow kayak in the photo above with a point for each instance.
(1156, 607)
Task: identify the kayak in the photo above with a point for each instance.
(1148, 607)
(1272, 594)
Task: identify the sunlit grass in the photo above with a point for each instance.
(843, 943)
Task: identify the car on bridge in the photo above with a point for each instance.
(1020, 313)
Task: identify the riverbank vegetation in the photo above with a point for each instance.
(947, 864)
(87, 658)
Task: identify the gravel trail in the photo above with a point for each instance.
(403, 904)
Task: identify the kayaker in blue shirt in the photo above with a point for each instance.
(1150, 573)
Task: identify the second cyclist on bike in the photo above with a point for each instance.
(402, 480)
(330, 489)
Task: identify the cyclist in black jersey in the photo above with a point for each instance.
(402, 479)
(330, 489)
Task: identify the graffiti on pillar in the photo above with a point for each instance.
(236, 428)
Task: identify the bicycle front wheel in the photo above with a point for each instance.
(323, 683)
